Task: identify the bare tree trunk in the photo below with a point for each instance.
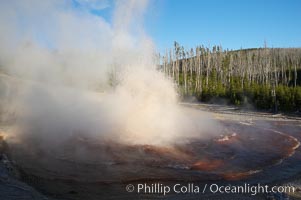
(207, 68)
(295, 77)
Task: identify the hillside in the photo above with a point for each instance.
(266, 78)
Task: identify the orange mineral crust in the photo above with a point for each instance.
(207, 165)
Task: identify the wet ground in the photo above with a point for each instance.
(252, 148)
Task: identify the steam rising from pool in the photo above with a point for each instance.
(81, 75)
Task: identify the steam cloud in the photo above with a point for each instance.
(66, 60)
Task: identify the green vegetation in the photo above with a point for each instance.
(266, 78)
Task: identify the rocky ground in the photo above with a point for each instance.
(10, 187)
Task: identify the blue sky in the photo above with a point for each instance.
(233, 24)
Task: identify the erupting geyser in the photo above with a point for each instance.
(80, 75)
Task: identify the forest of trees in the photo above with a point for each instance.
(266, 78)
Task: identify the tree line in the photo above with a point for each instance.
(267, 78)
